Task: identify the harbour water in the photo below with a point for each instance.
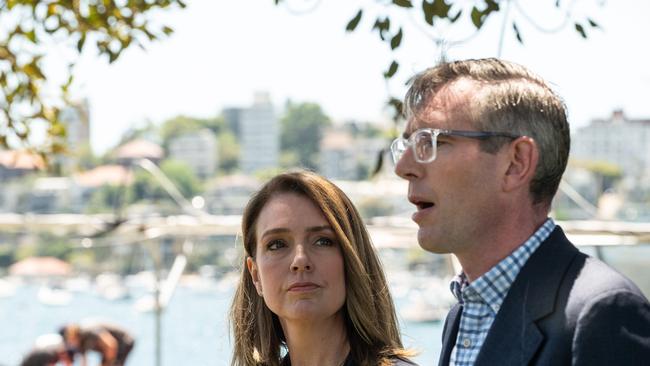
(194, 326)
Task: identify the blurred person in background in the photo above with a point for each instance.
(48, 350)
(311, 282)
(111, 341)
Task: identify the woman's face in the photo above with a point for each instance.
(298, 265)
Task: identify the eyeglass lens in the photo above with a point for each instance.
(425, 149)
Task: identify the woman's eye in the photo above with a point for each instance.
(275, 244)
(327, 242)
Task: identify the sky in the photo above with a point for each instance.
(222, 52)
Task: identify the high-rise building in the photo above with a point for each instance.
(337, 155)
(232, 117)
(259, 136)
(198, 150)
(76, 119)
(617, 140)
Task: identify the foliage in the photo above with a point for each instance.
(53, 246)
(108, 198)
(6, 255)
(178, 126)
(86, 157)
(600, 167)
(146, 187)
(228, 151)
(390, 26)
(182, 177)
(373, 207)
(302, 130)
(227, 146)
(146, 130)
(29, 27)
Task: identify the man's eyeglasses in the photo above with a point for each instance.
(423, 142)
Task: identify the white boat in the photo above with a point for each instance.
(111, 287)
(7, 288)
(419, 310)
(53, 296)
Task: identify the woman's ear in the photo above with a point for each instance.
(252, 269)
(523, 157)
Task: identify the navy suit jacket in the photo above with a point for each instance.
(564, 308)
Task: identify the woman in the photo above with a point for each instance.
(311, 283)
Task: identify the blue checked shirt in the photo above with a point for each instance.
(482, 298)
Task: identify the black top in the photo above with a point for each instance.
(286, 361)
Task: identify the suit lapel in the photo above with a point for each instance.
(449, 334)
(514, 337)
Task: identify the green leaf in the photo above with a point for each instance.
(167, 30)
(31, 35)
(580, 29)
(396, 40)
(428, 10)
(517, 33)
(391, 70)
(477, 18)
(403, 3)
(441, 8)
(352, 24)
(80, 43)
(112, 56)
(454, 18)
(492, 5)
(592, 23)
(382, 25)
(33, 71)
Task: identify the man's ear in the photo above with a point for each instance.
(252, 269)
(522, 159)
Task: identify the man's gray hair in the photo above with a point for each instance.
(508, 98)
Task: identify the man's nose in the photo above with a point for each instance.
(301, 261)
(406, 167)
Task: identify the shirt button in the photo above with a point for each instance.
(496, 308)
(467, 342)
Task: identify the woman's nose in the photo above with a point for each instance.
(301, 260)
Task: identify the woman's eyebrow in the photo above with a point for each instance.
(275, 231)
(319, 228)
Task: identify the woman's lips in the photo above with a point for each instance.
(303, 287)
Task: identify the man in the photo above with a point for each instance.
(111, 341)
(484, 149)
(48, 350)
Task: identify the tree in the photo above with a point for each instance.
(182, 176)
(302, 131)
(390, 20)
(178, 126)
(228, 151)
(30, 26)
(227, 146)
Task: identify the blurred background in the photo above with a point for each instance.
(134, 133)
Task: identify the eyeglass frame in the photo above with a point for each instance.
(435, 132)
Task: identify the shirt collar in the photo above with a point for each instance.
(492, 287)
